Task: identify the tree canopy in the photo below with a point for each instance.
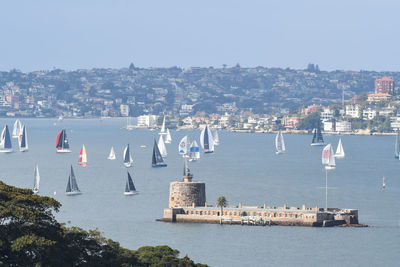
(310, 122)
(31, 236)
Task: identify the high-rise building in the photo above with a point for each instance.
(384, 85)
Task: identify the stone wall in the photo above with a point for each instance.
(184, 194)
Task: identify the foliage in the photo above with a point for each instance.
(310, 122)
(30, 236)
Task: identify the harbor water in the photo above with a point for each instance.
(244, 168)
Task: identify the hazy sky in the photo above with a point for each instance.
(72, 34)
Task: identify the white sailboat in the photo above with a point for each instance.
(168, 138)
(328, 157)
(72, 186)
(127, 157)
(161, 147)
(279, 143)
(17, 129)
(207, 140)
(194, 151)
(216, 138)
(23, 140)
(183, 147)
(5, 141)
(162, 131)
(339, 150)
(82, 157)
(36, 180)
(112, 156)
(130, 187)
(383, 183)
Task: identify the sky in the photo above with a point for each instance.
(81, 34)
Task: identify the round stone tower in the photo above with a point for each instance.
(187, 193)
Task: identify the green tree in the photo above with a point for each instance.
(310, 122)
(221, 202)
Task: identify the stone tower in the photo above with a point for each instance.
(187, 193)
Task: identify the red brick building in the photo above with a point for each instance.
(384, 85)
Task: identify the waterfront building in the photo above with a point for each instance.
(369, 113)
(326, 115)
(329, 126)
(124, 109)
(379, 97)
(147, 121)
(384, 85)
(343, 126)
(353, 111)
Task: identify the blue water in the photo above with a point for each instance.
(244, 168)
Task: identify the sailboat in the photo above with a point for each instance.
(216, 138)
(162, 131)
(397, 145)
(23, 140)
(157, 160)
(72, 186)
(127, 157)
(168, 138)
(194, 151)
(130, 187)
(279, 143)
(206, 140)
(339, 150)
(317, 140)
(17, 129)
(383, 183)
(161, 147)
(112, 156)
(36, 180)
(183, 147)
(5, 142)
(328, 157)
(62, 144)
(82, 157)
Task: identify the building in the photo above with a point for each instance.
(147, 121)
(291, 122)
(378, 97)
(329, 126)
(326, 114)
(353, 111)
(343, 126)
(310, 109)
(384, 85)
(369, 113)
(124, 109)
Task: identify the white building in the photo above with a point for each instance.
(353, 111)
(326, 115)
(329, 126)
(343, 126)
(124, 109)
(369, 113)
(147, 121)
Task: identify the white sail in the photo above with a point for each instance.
(328, 157)
(111, 156)
(339, 150)
(280, 143)
(168, 138)
(5, 141)
(216, 137)
(23, 140)
(82, 157)
(17, 129)
(161, 147)
(183, 146)
(194, 151)
(36, 180)
(206, 140)
(127, 157)
(162, 131)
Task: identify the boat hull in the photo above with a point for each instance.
(279, 152)
(130, 193)
(64, 150)
(158, 165)
(23, 150)
(208, 151)
(339, 156)
(111, 158)
(35, 191)
(128, 165)
(330, 167)
(318, 144)
(73, 193)
(82, 164)
(6, 150)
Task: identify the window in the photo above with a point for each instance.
(187, 212)
(191, 212)
(201, 212)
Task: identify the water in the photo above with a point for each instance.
(244, 169)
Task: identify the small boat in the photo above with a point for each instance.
(157, 160)
(5, 141)
(168, 138)
(62, 144)
(328, 157)
(183, 147)
(397, 145)
(161, 147)
(279, 143)
(194, 151)
(339, 150)
(162, 131)
(36, 180)
(17, 129)
(216, 138)
(143, 146)
(82, 157)
(207, 140)
(112, 156)
(130, 187)
(72, 186)
(23, 140)
(317, 140)
(383, 183)
(127, 157)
